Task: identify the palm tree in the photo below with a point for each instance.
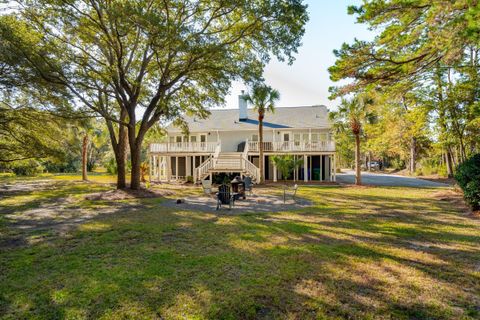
(286, 164)
(263, 99)
(354, 112)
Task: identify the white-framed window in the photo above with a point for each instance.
(193, 138)
(203, 138)
(254, 137)
(171, 139)
(314, 136)
(297, 137)
(305, 136)
(178, 139)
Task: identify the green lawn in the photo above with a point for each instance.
(359, 253)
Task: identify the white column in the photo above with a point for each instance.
(176, 168)
(274, 173)
(159, 166)
(328, 168)
(295, 170)
(188, 164)
(169, 168)
(194, 159)
(334, 168)
(305, 168)
(150, 168)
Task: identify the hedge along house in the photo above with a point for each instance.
(227, 142)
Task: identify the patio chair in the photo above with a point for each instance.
(225, 196)
(248, 185)
(207, 187)
(292, 191)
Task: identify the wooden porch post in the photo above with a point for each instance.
(160, 162)
(194, 159)
(188, 165)
(305, 168)
(176, 168)
(274, 173)
(150, 167)
(295, 170)
(169, 168)
(334, 168)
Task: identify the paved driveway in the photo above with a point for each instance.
(379, 179)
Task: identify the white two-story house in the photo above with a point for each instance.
(227, 142)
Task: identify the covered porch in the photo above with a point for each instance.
(320, 167)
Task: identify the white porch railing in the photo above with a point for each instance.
(202, 147)
(292, 146)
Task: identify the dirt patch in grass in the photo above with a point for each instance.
(113, 195)
(456, 199)
(439, 179)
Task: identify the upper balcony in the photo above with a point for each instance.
(292, 146)
(183, 147)
(253, 147)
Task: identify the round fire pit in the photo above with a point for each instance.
(238, 187)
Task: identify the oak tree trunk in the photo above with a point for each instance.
(135, 140)
(135, 158)
(358, 173)
(119, 146)
(121, 159)
(449, 163)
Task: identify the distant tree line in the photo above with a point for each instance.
(421, 74)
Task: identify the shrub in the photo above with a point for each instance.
(143, 171)
(27, 168)
(468, 178)
(111, 166)
(397, 164)
(428, 167)
(442, 171)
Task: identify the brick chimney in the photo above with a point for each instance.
(242, 107)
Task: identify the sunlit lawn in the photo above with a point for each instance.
(361, 253)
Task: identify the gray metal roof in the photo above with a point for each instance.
(312, 117)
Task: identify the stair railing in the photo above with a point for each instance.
(218, 149)
(204, 168)
(245, 151)
(251, 169)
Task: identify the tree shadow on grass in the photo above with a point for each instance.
(330, 261)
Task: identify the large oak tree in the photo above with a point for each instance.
(136, 63)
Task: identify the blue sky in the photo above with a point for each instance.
(306, 82)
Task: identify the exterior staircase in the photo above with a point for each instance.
(227, 162)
